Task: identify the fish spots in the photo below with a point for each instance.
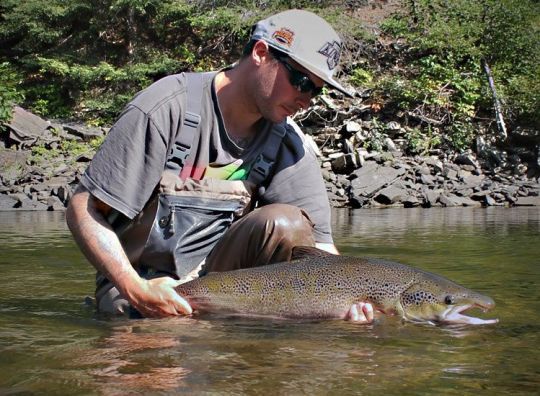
(298, 283)
(418, 297)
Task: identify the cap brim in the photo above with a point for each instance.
(329, 80)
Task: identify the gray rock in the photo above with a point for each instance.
(389, 144)
(449, 199)
(83, 132)
(450, 174)
(352, 127)
(390, 195)
(527, 201)
(435, 163)
(427, 180)
(431, 197)
(410, 201)
(422, 170)
(480, 195)
(26, 128)
(467, 159)
(372, 177)
(13, 165)
(7, 203)
(31, 205)
(54, 203)
(490, 201)
(345, 163)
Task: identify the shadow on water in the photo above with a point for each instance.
(51, 343)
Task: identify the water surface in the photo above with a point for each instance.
(51, 343)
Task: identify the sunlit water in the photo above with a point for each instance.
(51, 343)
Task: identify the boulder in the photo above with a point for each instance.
(430, 197)
(391, 195)
(30, 205)
(449, 199)
(527, 201)
(26, 128)
(7, 203)
(373, 177)
(54, 203)
(344, 164)
(83, 132)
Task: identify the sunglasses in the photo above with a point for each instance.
(297, 79)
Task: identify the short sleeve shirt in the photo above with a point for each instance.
(127, 168)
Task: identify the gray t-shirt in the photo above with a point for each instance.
(127, 168)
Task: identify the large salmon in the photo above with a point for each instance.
(322, 285)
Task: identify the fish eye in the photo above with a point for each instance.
(449, 300)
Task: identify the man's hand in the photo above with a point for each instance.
(360, 313)
(156, 298)
(86, 218)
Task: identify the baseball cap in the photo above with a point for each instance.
(306, 38)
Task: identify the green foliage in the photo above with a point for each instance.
(375, 140)
(361, 77)
(9, 95)
(42, 154)
(441, 82)
(502, 32)
(420, 142)
(88, 57)
(438, 82)
(395, 26)
(461, 135)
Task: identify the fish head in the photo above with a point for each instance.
(438, 300)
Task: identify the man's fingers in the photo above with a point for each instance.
(361, 313)
(353, 313)
(367, 309)
(180, 304)
(161, 300)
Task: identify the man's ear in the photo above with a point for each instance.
(260, 52)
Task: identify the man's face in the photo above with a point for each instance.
(277, 98)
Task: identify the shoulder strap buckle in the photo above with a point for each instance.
(265, 160)
(185, 138)
(262, 166)
(178, 154)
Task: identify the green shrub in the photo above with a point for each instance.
(9, 94)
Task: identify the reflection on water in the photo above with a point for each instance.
(51, 343)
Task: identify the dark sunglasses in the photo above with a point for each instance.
(297, 79)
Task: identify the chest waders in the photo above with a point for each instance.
(188, 216)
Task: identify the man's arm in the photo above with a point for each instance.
(86, 218)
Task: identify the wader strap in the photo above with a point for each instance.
(185, 138)
(181, 147)
(263, 164)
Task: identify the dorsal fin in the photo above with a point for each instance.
(300, 252)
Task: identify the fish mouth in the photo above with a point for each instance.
(454, 315)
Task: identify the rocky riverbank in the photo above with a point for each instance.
(41, 163)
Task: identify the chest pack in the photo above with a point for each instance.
(190, 213)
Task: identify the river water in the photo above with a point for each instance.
(52, 343)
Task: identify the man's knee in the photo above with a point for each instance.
(266, 235)
(286, 221)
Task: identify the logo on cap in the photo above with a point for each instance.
(284, 36)
(331, 51)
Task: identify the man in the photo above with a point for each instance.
(209, 169)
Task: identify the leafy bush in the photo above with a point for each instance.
(9, 95)
(87, 58)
